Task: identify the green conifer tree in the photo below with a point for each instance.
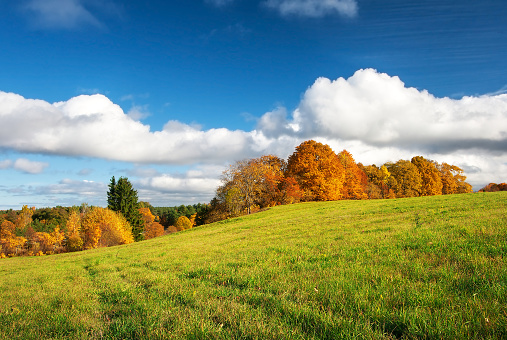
(122, 197)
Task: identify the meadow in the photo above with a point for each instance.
(415, 268)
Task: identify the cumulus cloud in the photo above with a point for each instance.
(380, 110)
(313, 8)
(91, 125)
(24, 165)
(378, 119)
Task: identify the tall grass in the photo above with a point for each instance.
(419, 268)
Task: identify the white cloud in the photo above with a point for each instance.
(94, 126)
(161, 188)
(5, 164)
(29, 166)
(313, 8)
(24, 165)
(72, 187)
(138, 112)
(60, 14)
(379, 110)
(172, 184)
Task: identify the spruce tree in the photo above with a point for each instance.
(122, 197)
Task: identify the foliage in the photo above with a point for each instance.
(151, 228)
(315, 173)
(122, 197)
(74, 240)
(493, 187)
(430, 176)
(317, 170)
(355, 180)
(183, 223)
(244, 184)
(9, 242)
(104, 228)
(169, 215)
(405, 179)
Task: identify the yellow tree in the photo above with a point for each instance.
(49, 243)
(430, 176)
(245, 180)
(355, 180)
(24, 217)
(315, 168)
(73, 234)
(183, 223)
(10, 243)
(405, 178)
(453, 179)
(104, 227)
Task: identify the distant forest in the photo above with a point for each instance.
(314, 172)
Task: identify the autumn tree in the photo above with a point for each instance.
(355, 180)
(493, 187)
(151, 228)
(183, 223)
(378, 182)
(122, 198)
(431, 181)
(277, 188)
(405, 178)
(244, 182)
(10, 243)
(453, 179)
(103, 227)
(24, 217)
(317, 171)
(73, 234)
(48, 243)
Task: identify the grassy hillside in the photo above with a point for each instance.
(432, 267)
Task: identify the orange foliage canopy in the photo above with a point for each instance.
(151, 228)
(493, 187)
(355, 181)
(316, 168)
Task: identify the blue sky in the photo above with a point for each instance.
(168, 93)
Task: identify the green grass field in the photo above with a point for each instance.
(419, 268)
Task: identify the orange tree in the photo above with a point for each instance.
(405, 179)
(355, 183)
(431, 180)
(317, 170)
(453, 180)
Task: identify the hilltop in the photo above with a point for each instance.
(425, 267)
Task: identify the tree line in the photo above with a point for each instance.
(46, 231)
(314, 172)
(493, 187)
